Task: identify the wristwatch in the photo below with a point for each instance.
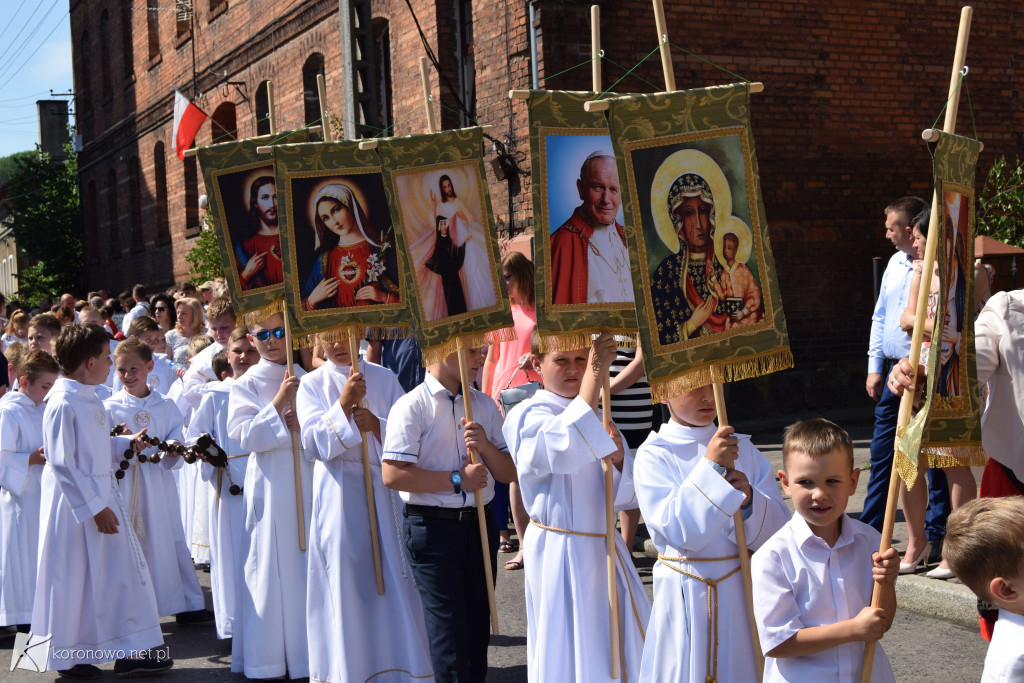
(456, 480)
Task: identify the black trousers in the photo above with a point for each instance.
(447, 562)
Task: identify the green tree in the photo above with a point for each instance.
(1001, 205)
(9, 164)
(204, 256)
(47, 225)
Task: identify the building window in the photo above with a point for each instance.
(382, 60)
(135, 198)
(192, 226)
(92, 220)
(153, 28)
(263, 108)
(84, 85)
(105, 56)
(467, 66)
(182, 17)
(128, 50)
(163, 226)
(113, 230)
(313, 67)
(223, 124)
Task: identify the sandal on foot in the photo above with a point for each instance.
(513, 565)
(506, 547)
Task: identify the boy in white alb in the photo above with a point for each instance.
(163, 376)
(814, 578)
(220, 315)
(983, 548)
(90, 562)
(271, 605)
(21, 471)
(148, 487)
(346, 631)
(426, 458)
(558, 443)
(691, 478)
(226, 506)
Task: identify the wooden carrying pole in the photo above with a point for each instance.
(466, 399)
(353, 351)
(931, 246)
(606, 412)
(741, 545)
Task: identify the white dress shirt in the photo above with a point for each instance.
(888, 340)
(1004, 662)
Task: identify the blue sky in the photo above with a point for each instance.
(35, 58)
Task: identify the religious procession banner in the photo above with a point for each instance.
(583, 281)
(947, 428)
(242, 191)
(448, 252)
(707, 295)
(342, 272)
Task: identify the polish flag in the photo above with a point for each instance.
(188, 119)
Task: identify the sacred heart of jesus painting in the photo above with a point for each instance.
(249, 202)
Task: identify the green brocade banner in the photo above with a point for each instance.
(342, 272)
(448, 251)
(947, 428)
(707, 296)
(243, 198)
(568, 147)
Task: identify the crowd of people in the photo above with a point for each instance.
(143, 436)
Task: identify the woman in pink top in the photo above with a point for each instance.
(502, 370)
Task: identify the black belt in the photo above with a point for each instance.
(453, 514)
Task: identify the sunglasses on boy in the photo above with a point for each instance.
(264, 335)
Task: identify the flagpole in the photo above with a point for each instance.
(927, 266)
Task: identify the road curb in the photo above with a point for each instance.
(952, 602)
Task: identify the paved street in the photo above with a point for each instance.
(920, 648)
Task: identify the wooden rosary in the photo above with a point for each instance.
(205, 446)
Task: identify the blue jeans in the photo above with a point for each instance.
(882, 448)
(447, 562)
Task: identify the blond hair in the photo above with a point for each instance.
(816, 437)
(197, 316)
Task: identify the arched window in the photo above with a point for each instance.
(223, 123)
(127, 47)
(135, 198)
(113, 230)
(192, 226)
(153, 28)
(92, 223)
(163, 226)
(310, 95)
(107, 93)
(263, 108)
(182, 19)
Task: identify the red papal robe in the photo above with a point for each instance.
(569, 259)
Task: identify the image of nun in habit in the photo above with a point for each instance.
(352, 266)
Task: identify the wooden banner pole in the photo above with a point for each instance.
(741, 545)
(353, 352)
(931, 246)
(472, 456)
(325, 125)
(299, 507)
(271, 118)
(663, 46)
(606, 413)
(466, 400)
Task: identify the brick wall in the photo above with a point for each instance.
(849, 87)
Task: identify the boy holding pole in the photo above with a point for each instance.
(425, 458)
(691, 478)
(558, 443)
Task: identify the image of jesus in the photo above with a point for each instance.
(258, 252)
(589, 261)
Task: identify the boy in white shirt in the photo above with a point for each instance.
(90, 562)
(812, 580)
(425, 457)
(336, 402)
(271, 604)
(21, 471)
(691, 478)
(558, 443)
(148, 487)
(983, 548)
(225, 489)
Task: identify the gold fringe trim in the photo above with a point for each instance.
(260, 314)
(581, 339)
(733, 370)
(967, 453)
(345, 332)
(436, 354)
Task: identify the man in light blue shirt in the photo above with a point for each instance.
(888, 343)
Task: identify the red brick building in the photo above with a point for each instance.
(849, 87)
